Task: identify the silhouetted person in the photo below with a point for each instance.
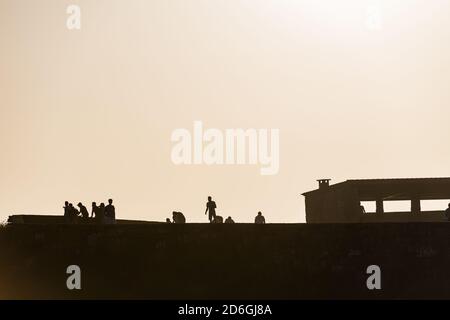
(83, 210)
(73, 213)
(110, 212)
(259, 219)
(168, 220)
(363, 210)
(67, 217)
(178, 217)
(100, 215)
(211, 209)
(218, 219)
(447, 212)
(229, 220)
(94, 210)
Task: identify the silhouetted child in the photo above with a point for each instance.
(259, 219)
(178, 217)
(168, 220)
(211, 209)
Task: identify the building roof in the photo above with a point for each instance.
(394, 188)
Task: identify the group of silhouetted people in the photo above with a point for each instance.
(178, 217)
(101, 214)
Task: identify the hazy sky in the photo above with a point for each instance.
(358, 89)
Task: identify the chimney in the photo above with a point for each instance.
(324, 183)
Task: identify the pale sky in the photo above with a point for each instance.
(357, 88)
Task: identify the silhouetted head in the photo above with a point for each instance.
(229, 217)
(110, 201)
(94, 204)
(67, 203)
(259, 213)
(102, 205)
(70, 205)
(168, 220)
(80, 204)
(209, 198)
(449, 205)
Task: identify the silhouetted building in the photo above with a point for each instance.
(341, 202)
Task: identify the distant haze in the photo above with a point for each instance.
(357, 89)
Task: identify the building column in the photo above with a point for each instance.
(415, 205)
(380, 208)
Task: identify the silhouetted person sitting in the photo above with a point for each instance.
(229, 220)
(218, 219)
(259, 219)
(73, 213)
(168, 220)
(94, 210)
(83, 210)
(211, 209)
(110, 212)
(447, 212)
(178, 217)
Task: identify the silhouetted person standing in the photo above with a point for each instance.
(178, 217)
(229, 220)
(110, 212)
(100, 215)
(168, 220)
(94, 210)
(83, 210)
(211, 209)
(447, 212)
(259, 219)
(67, 218)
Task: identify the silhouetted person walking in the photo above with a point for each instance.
(211, 209)
(110, 212)
(447, 212)
(83, 210)
(259, 219)
(229, 220)
(178, 217)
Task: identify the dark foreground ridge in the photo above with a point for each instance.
(239, 261)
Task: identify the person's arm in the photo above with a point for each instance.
(206, 211)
